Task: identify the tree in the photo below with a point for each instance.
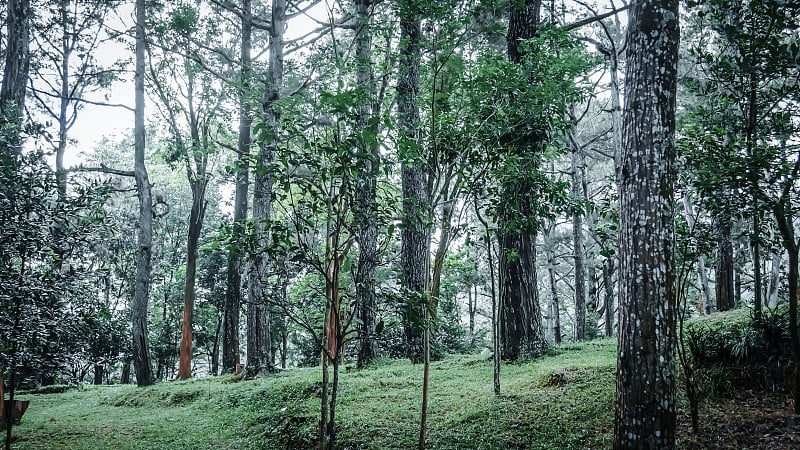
(233, 291)
(17, 62)
(190, 103)
(415, 231)
(68, 43)
(645, 414)
(37, 305)
(520, 322)
(365, 212)
(259, 357)
(141, 287)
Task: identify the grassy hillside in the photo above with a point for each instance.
(563, 401)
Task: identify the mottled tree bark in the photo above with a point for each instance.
(141, 287)
(233, 291)
(521, 332)
(365, 208)
(415, 233)
(645, 401)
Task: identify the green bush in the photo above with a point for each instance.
(739, 349)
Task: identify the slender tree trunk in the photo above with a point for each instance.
(608, 294)
(141, 289)
(645, 401)
(553, 309)
(196, 216)
(233, 292)
(756, 247)
(64, 101)
(577, 244)
(494, 298)
(415, 233)
(705, 294)
(365, 208)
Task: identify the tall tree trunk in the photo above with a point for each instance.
(645, 414)
(415, 233)
(64, 101)
(520, 314)
(724, 289)
(141, 288)
(233, 291)
(197, 176)
(553, 309)
(521, 333)
(577, 243)
(15, 72)
(259, 345)
(196, 217)
(365, 208)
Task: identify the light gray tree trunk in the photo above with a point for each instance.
(774, 279)
(141, 287)
(645, 414)
(577, 243)
(553, 309)
(705, 294)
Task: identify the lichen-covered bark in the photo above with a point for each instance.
(141, 287)
(645, 401)
(415, 233)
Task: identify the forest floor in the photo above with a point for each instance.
(561, 401)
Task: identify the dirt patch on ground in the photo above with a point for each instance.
(750, 420)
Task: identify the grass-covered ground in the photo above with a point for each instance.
(561, 401)
(558, 402)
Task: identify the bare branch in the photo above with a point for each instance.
(593, 19)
